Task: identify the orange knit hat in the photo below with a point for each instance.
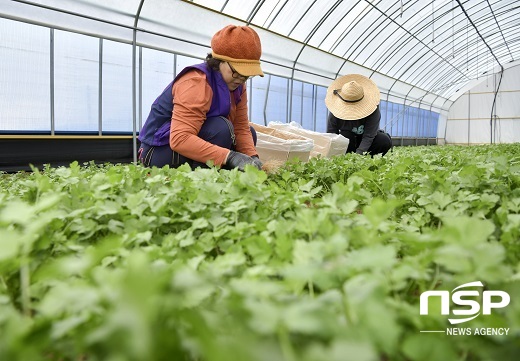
(240, 46)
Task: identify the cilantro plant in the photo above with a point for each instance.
(324, 260)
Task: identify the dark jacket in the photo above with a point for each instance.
(361, 132)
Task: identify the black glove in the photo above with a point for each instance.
(239, 160)
(257, 162)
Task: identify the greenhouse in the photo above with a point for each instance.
(268, 180)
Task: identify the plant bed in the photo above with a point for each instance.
(323, 260)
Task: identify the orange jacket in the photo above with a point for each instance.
(192, 99)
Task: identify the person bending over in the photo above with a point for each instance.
(202, 115)
(353, 103)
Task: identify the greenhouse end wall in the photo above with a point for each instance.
(473, 119)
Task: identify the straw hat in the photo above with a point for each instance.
(240, 46)
(352, 97)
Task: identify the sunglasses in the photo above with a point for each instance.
(235, 74)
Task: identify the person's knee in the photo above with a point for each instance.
(381, 143)
(218, 131)
(386, 142)
(157, 156)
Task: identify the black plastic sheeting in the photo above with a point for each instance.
(19, 154)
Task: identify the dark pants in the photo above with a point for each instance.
(215, 130)
(381, 144)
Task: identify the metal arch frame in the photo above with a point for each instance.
(374, 70)
(305, 44)
(356, 21)
(337, 23)
(388, 77)
(68, 12)
(414, 55)
(436, 96)
(387, 102)
(505, 47)
(98, 20)
(425, 78)
(508, 29)
(301, 103)
(278, 2)
(320, 23)
(345, 60)
(430, 91)
(459, 63)
(418, 83)
(345, 34)
(383, 21)
(412, 101)
(499, 28)
(369, 12)
(409, 33)
(267, 88)
(396, 50)
(268, 16)
(498, 61)
(253, 12)
(134, 81)
(100, 39)
(472, 66)
(440, 80)
(504, 11)
(492, 34)
(501, 71)
(224, 6)
(423, 27)
(453, 83)
(440, 108)
(402, 45)
(118, 24)
(406, 42)
(368, 35)
(476, 29)
(301, 17)
(277, 13)
(382, 42)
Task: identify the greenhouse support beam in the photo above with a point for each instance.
(498, 62)
(134, 82)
